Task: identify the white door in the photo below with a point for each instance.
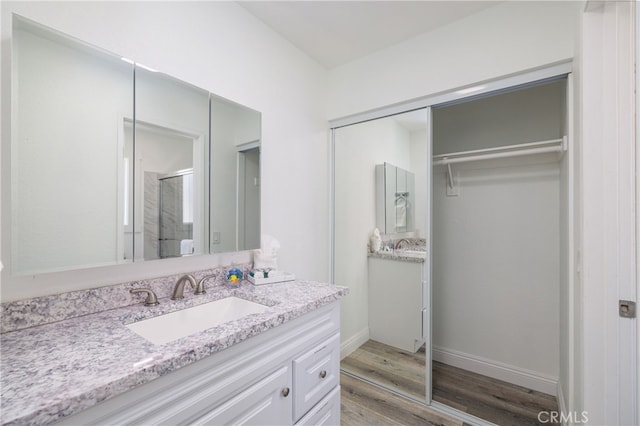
(608, 263)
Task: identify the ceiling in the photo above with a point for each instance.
(336, 32)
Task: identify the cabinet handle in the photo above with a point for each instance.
(285, 392)
(323, 374)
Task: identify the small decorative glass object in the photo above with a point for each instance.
(234, 276)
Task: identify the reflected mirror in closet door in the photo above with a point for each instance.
(382, 321)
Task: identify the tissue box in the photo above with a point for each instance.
(279, 277)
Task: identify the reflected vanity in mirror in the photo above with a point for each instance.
(113, 162)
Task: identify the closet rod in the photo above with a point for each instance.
(554, 145)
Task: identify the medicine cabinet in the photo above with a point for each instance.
(114, 162)
(395, 199)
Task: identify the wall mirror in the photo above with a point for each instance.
(395, 199)
(171, 146)
(113, 162)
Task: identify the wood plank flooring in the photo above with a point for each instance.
(490, 399)
(363, 404)
(389, 366)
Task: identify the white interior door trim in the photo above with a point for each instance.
(609, 261)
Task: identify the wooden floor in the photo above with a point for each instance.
(363, 404)
(389, 367)
(490, 399)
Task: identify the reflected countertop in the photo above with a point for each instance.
(415, 255)
(57, 369)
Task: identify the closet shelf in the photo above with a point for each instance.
(553, 145)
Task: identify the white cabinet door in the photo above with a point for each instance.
(326, 412)
(395, 303)
(268, 402)
(315, 373)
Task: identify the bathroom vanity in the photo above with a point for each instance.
(280, 366)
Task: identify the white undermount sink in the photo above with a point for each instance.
(169, 327)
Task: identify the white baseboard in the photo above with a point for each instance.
(354, 342)
(508, 373)
(562, 405)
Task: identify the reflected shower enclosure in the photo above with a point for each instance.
(175, 215)
(168, 219)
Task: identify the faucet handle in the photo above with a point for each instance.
(200, 287)
(151, 300)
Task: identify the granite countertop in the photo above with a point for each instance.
(416, 256)
(57, 369)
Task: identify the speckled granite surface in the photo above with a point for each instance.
(413, 250)
(58, 307)
(54, 370)
(401, 255)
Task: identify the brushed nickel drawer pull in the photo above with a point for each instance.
(323, 374)
(285, 392)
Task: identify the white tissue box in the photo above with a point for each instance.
(277, 278)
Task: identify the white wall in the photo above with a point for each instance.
(496, 266)
(220, 47)
(505, 39)
(529, 115)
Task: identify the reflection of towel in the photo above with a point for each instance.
(264, 261)
(186, 247)
(401, 212)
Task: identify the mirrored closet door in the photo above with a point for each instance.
(381, 183)
(452, 230)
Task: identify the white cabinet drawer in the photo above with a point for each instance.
(326, 413)
(267, 402)
(315, 373)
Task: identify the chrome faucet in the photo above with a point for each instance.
(399, 243)
(178, 290)
(200, 286)
(151, 300)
